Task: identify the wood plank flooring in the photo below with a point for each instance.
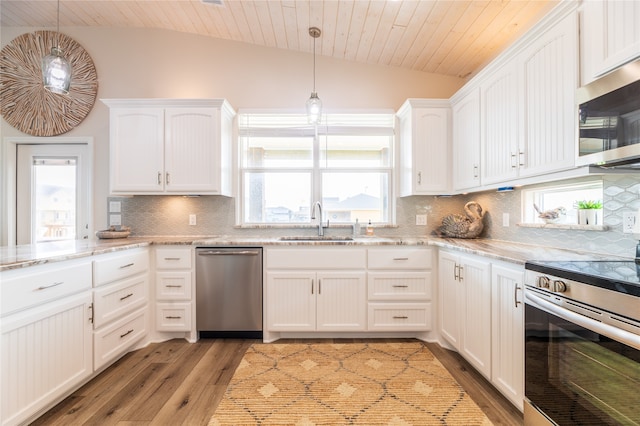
(178, 383)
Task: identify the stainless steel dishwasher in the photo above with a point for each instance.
(229, 292)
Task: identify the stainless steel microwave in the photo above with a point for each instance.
(609, 119)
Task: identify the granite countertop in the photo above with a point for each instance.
(14, 257)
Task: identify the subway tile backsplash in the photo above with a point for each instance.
(215, 215)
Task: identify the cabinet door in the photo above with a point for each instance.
(466, 142)
(449, 287)
(341, 301)
(425, 151)
(45, 352)
(291, 301)
(475, 276)
(507, 367)
(610, 36)
(137, 149)
(192, 153)
(550, 72)
(501, 106)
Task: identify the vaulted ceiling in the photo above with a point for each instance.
(451, 37)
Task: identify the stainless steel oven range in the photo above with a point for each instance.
(582, 343)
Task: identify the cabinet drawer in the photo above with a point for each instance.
(115, 300)
(25, 287)
(399, 285)
(173, 285)
(173, 258)
(399, 316)
(115, 339)
(112, 267)
(316, 258)
(173, 316)
(400, 258)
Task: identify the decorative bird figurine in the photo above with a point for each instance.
(550, 216)
(458, 226)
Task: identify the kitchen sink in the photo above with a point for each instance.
(316, 238)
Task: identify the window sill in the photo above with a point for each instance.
(573, 226)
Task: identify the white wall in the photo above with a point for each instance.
(149, 63)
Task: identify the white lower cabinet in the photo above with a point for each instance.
(507, 332)
(46, 348)
(174, 282)
(121, 294)
(399, 289)
(316, 301)
(482, 316)
(465, 307)
(315, 289)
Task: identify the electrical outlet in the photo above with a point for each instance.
(421, 219)
(192, 219)
(629, 222)
(505, 219)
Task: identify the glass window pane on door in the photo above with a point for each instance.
(54, 199)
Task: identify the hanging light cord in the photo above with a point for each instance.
(314, 64)
(58, 27)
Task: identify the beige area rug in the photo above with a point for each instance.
(344, 384)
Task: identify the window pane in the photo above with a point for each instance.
(350, 196)
(277, 197)
(54, 199)
(280, 152)
(341, 151)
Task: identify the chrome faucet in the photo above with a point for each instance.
(313, 216)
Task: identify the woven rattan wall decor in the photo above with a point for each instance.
(24, 102)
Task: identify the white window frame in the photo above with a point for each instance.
(531, 195)
(316, 171)
(9, 167)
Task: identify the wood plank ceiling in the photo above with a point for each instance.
(450, 37)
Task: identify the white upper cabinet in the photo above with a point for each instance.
(550, 72)
(501, 109)
(466, 141)
(425, 147)
(170, 146)
(610, 36)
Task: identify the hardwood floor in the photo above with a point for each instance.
(178, 383)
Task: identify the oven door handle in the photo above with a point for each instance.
(612, 332)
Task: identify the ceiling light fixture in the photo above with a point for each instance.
(56, 70)
(314, 104)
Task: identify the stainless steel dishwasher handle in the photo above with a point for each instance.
(226, 253)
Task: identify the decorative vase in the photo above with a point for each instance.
(590, 216)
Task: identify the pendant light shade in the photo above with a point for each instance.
(56, 70)
(314, 104)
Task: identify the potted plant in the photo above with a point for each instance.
(589, 212)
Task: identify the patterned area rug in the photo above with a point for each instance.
(344, 384)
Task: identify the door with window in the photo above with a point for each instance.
(52, 185)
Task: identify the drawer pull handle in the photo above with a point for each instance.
(173, 286)
(400, 258)
(127, 265)
(44, 287)
(127, 333)
(127, 296)
(173, 317)
(400, 317)
(400, 286)
(172, 258)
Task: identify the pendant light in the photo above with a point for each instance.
(56, 70)
(314, 104)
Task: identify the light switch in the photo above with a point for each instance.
(505, 219)
(115, 220)
(115, 206)
(421, 219)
